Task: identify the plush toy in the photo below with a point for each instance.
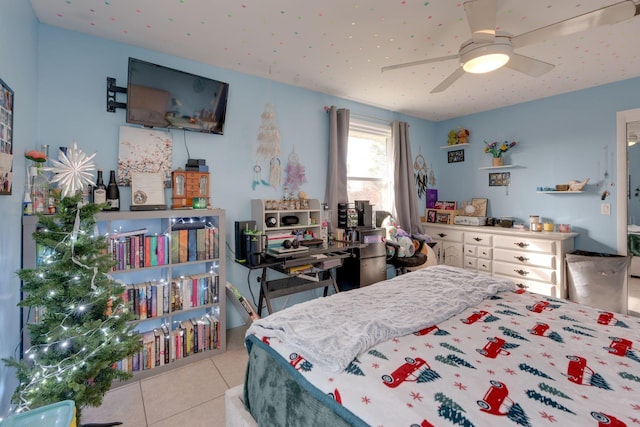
(463, 136)
(397, 235)
(452, 137)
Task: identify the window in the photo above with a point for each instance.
(369, 171)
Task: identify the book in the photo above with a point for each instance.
(192, 245)
(153, 251)
(174, 253)
(122, 234)
(241, 302)
(183, 245)
(160, 250)
(201, 234)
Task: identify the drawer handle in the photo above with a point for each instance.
(521, 258)
(521, 244)
(477, 239)
(521, 272)
(442, 235)
(522, 286)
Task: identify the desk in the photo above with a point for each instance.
(320, 277)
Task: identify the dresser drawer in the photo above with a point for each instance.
(485, 253)
(445, 234)
(480, 239)
(470, 250)
(525, 258)
(470, 262)
(484, 265)
(525, 243)
(525, 272)
(532, 286)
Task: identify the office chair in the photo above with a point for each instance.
(402, 264)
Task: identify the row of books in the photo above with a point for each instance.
(136, 249)
(151, 299)
(162, 346)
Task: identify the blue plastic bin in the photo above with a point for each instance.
(61, 414)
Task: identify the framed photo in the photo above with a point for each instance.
(438, 204)
(6, 138)
(431, 215)
(455, 156)
(449, 206)
(479, 207)
(442, 218)
(499, 179)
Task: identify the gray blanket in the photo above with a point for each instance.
(332, 331)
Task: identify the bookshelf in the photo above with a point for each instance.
(184, 282)
(308, 214)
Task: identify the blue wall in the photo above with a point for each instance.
(60, 78)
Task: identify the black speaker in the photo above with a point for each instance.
(241, 249)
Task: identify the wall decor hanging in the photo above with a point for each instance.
(421, 171)
(295, 172)
(6, 138)
(455, 156)
(269, 143)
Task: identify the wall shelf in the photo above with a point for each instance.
(449, 147)
(500, 167)
(558, 192)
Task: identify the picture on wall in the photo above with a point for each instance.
(431, 215)
(455, 156)
(499, 179)
(146, 151)
(6, 138)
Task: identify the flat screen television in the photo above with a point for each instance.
(162, 97)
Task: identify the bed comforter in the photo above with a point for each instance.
(514, 358)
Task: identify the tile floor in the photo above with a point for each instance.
(191, 395)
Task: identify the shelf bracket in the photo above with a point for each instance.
(112, 90)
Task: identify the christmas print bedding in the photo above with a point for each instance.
(514, 358)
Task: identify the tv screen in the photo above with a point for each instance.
(162, 97)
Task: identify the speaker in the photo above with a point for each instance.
(241, 249)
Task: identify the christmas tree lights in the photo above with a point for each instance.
(81, 328)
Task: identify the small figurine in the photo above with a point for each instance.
(577, 185)
(463, 136)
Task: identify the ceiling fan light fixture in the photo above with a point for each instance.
(484, 58)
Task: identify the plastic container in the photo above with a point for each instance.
(598, 280)
(61, 414)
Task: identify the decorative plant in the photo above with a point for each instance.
(497, 149)
(36, 156)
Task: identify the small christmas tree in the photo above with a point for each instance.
(82, 331)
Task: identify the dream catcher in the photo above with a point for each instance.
(269, 143)
(295, 172)
(432, 178)
(257, 177)
(421, 170)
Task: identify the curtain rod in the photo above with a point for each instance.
(362, 116)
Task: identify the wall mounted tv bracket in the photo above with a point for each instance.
(112, 90)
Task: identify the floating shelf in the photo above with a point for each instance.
(500, 167)
(448, 147)
(558, 192)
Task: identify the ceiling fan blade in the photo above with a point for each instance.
(459, 72)
(605, 16)
(481, 16)
(422, 61)
(529, 66)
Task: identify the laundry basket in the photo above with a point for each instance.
(61, 414)
(598, 280)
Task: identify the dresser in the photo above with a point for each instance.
(534, 260)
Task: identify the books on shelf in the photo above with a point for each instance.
(138, 249)
(161, 346)
(194, 291)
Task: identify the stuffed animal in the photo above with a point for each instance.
(397, 235)
(452, 137)
(463, 136)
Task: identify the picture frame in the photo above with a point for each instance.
(439, 204)
(449, 206)
(443, 218)
(480, 207)
(455, 156)
(431, 215)
(499, 179)
(6, 139)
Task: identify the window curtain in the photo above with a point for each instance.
(336, 189)
(406, 197)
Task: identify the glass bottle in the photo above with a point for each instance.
(39, 191)
(113, 193)
(99, 190)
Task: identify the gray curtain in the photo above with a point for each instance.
(406, 197)
(336, 189)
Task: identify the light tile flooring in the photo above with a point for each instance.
(192, 395)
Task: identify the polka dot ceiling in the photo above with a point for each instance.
(339, 46)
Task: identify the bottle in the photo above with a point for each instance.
(27, 205)
(113, 193)
(39, 192)
(99, 191)
(52, 200)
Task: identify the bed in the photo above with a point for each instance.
(443, 346)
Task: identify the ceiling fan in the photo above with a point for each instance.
(488, 49)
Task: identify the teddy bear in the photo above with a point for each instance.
(463, 136)
(452, 137)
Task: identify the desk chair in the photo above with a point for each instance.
(403, 264)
